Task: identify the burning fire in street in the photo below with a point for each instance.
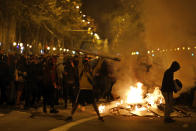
(136, 101)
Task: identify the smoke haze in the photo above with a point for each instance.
(172, 24)
(168, 24)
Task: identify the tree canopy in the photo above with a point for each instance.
(46, 22)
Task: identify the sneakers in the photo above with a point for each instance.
(169, 120)
(69, 118)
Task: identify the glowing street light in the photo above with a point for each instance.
(96, 36)
(14, 44)
(74, 52)
(133, 53)
(84, 15)
(21, 44)
(77, 7)
(54, 48)
(30, 46)
(48, 48)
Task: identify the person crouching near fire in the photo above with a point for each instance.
(167, 89)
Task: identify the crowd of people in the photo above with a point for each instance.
(29, 81)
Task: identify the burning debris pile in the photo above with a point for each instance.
(138, 103)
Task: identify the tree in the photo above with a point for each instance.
(43, 21)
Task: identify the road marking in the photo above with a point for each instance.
(67, 126)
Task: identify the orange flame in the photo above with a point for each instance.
(135, 97)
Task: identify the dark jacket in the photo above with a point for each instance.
(167, 83)
(168, 78)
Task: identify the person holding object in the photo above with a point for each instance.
(85, 91)
(167, 89)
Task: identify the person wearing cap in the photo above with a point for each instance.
(167, 89)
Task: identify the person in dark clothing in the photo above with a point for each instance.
(168, 88)
(48, 87)
(31, 88)
(69, 81)
(19, 82)
(4, 81)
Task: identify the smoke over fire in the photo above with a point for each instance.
(142, 25)
(167, 25)
(171, 24)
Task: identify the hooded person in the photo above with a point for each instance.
(167, 89)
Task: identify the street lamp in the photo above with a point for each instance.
(21, 44)
(48, 48)
(96, 36)
(14, 44)
(77, 7)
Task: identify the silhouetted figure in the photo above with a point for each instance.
(85, 91)
(4, 81)
(168, 87)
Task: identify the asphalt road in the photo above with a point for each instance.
(123, 123)
(35, 120)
